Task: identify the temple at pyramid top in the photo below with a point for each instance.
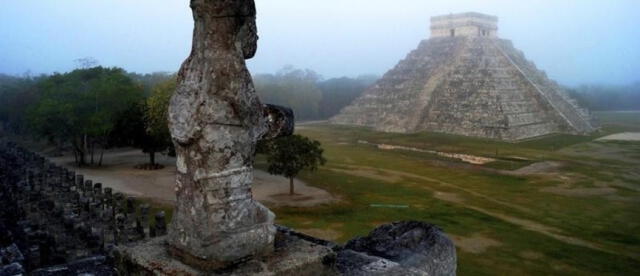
(464, 24)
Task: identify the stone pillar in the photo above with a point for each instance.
(108, 196)
(142, 221)
(121, 234)
(160, 228)
(97, 189)
(216, 119)
(79, 181)
(88, 187)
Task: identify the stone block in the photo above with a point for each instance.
(292, 255)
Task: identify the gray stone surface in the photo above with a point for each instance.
(353, 263)
(400, 248)
(11, 269)
(216, 120)
(95, 266)
(468, 85)
(292, 255)
(51, 223)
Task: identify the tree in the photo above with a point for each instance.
(340, 92)
(608, 97)
(144, 125)
(81, 108)
(86, 62)
(16, 93)
(151, 80)
(310, 97)
(157, 126)
(293, 88)
(287, 156)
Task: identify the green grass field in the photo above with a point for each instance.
(581, 217)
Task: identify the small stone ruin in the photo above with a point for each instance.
(55, 222)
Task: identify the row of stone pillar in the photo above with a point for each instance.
(64, 216)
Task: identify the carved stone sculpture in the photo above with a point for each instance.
(216, 120)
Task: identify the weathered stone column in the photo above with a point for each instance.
(215, 120)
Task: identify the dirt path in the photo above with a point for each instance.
(475, 244)
(118, 172)
(273, 190)
(524, 223)
(467, 158)
(625, 136)
(537, 168)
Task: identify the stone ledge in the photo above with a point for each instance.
(293, 255)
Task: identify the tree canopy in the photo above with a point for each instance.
(310, 97)
(82, 107)
(287, 156)
(156, 120)
(144, 124)
(16, 93)
(608, 97)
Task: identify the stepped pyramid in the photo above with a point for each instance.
(465, 80)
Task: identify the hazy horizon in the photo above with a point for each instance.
(575, 42)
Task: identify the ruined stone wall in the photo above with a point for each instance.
(59, 222)
(463, 31)
(464, 24)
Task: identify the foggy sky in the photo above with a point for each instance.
(575, 42)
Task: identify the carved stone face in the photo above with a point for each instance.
(248, 36)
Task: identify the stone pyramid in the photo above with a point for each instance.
(465, 80)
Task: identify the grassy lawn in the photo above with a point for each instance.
(579, 219)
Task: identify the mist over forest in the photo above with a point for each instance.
(600, 97)
(311, 96)
(38, 104)
(93, 109)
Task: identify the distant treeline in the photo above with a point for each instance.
(88, 110)
(608, 97)
(91, 109)
(22, 95)
(310, 97)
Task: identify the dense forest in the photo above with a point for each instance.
(310, 97)
(608, 97)
(88, 110)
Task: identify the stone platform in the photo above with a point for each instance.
(293, 255)
(399, 248)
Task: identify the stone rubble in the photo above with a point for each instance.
(400, 248)
(54, 221)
